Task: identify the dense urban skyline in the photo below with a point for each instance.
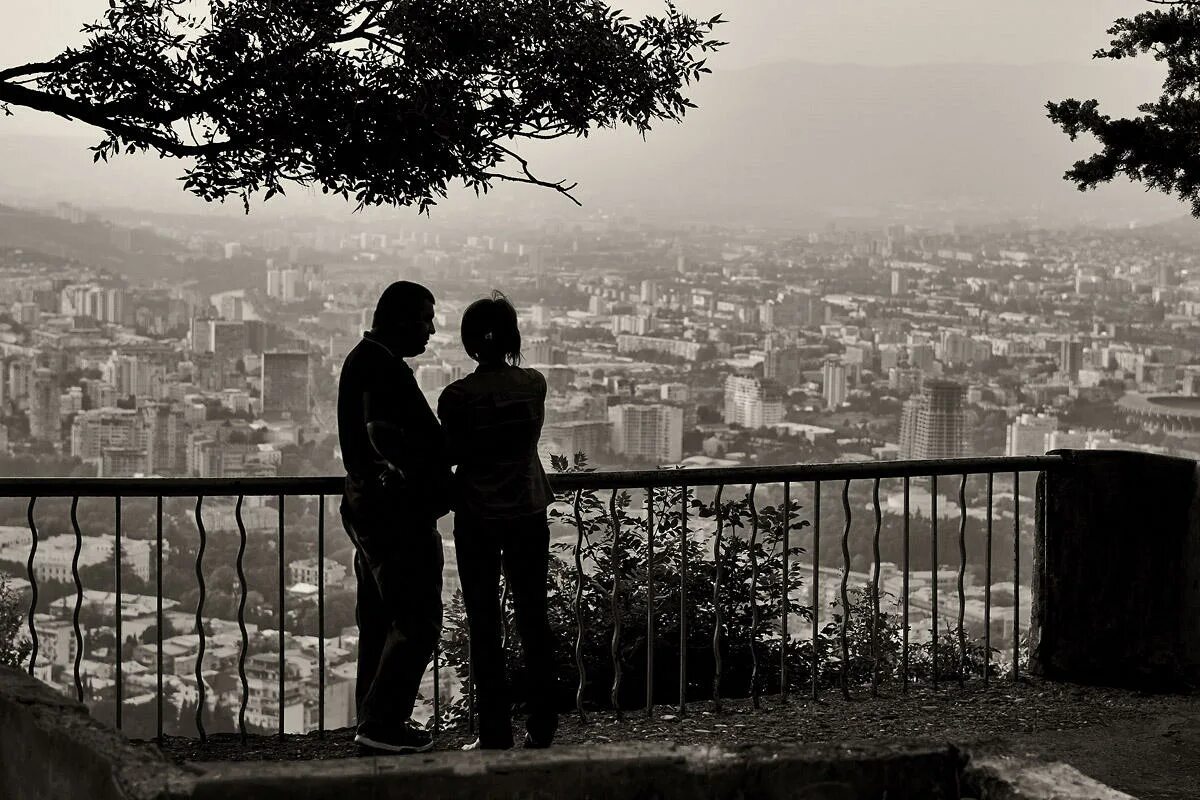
(180, 349)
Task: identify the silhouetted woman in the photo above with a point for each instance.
(492, 419)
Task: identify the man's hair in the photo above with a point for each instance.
(489, 330)
(399, 301)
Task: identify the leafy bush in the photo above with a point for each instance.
(14, 647)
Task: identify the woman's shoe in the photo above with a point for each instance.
(539, 730)
(479, 745)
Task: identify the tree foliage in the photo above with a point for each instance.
(385, 101)
(1161, 147)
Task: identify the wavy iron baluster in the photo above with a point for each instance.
(321, 628)
(118, 646)
(78, 596)
(33, 543)
(1016, 671)
(962, 571)
(505, 628)
(683, 606)
(470, 691)
(904, 642)
(282, 619)
(785, 589)
(579, 666)
(987, 588)
(650, 600)
(816, 592)
(615, 648)
(845, 680)
(755, 699)
(237, 514)
(158, 615)
(437, 692)
(933, 539)
(875, 593)
(716, 640)
(199, 619)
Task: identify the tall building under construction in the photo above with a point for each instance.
(286, 385)
(933, 424)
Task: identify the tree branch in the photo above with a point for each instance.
(533, 179)
(37, 67)
(74, 109)
(558, 187)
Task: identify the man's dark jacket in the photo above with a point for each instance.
(377, 386)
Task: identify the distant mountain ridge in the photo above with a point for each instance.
(784, 144)
(91, 242)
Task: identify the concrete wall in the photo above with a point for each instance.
(1117, 572)
(51, 749)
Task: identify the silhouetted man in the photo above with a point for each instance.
(397, 482)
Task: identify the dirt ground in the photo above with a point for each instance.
(1145, 745)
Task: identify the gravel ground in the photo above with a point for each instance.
(1004, 712)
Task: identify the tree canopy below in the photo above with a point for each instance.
(1161, 147)
(385, 101)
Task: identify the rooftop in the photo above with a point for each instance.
(1165, 405)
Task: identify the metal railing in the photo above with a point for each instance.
(573, 486)
(201, 488)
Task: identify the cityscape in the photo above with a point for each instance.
(692, 346)
(858, 343)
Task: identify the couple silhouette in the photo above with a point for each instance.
(399, 482)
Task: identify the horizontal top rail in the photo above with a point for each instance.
(713, 476)
(614, 479)
(169, 487)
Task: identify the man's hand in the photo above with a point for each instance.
(392, 478)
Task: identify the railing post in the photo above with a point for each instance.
(1116, 571)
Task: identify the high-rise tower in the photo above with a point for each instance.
(933, 424)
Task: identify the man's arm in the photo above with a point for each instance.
(388, 440)
(380, 410)
(403, 429)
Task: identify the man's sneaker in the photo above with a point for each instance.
(405, 738)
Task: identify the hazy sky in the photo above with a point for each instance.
(859, 31)
(879, 32)
(868, 32)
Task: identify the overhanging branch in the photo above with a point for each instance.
(39, 67)
(71, 108)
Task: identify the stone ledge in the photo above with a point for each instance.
(998, 777)
(51, 748)
(606, 771)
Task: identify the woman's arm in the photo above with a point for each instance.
(449, 413)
